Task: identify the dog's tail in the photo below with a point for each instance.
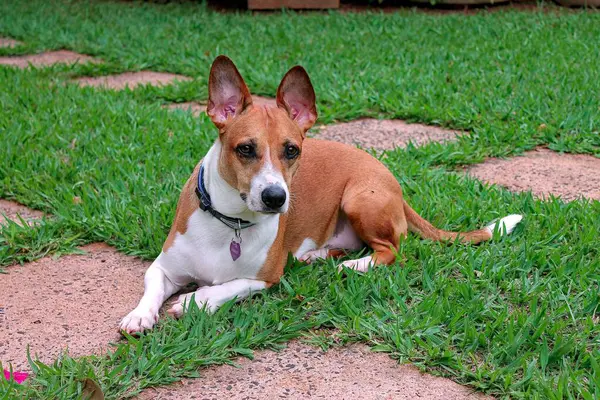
(421, 226)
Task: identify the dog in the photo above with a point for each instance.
(265, 190)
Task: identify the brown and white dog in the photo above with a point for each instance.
(267, 191)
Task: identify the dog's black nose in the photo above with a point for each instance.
(273, 196)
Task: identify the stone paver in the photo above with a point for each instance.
(131, 79)
(383, 134)
(45, 59)
(198, 108)
(75, 301)
(304, 372)
(544, 172)
(12, 210)
(191, 106)
(8, 42)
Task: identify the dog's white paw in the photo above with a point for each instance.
(311, 256)
(505, 225)
(138, 320)
(201, 297)
(359, 265)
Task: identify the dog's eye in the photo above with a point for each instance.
(291, 152)
(246, 150)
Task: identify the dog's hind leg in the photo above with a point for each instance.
(384, 253)
(311, 256)
(157, 288)
(375, 212)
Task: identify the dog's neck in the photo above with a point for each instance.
(225, 198)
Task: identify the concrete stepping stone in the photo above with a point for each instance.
(131, 80)
(10, 210)
(8, 42)
(45, 59)
(544, 172)
(383, 134)
(75, 301)
(302, 372)
(197, 108)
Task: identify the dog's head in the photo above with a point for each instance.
(261, 145)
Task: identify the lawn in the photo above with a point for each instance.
(516, 317)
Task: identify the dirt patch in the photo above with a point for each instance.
(199, 107)
(395, 6)
(12, 210)
(383, 134)
(49, 58)
(441, 8)
(75, 301)
(301, 371)
(191, 106)
(8, 42)
(544, 172)
(132, 79)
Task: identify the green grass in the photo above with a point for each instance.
(516, 317)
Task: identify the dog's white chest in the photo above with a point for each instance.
(203, 253)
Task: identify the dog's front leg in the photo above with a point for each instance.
(157, 288)
(215, 296)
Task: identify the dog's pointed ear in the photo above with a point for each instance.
(297, 96)
(228, 94)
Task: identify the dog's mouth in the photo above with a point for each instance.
(270, 212)
(267, 211)
(261, 204)
(261, 209)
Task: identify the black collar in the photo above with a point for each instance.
(206, 205)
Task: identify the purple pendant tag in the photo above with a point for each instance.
(235, 249)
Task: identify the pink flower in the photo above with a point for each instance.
(18, 376)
